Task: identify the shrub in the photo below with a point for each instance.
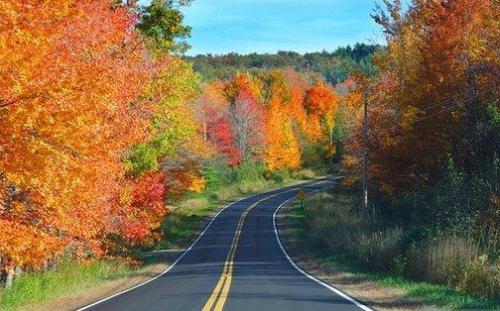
(332, 224)
(216, 175)
(481, 278)
(329, 221)
(225, 193)
(466, 260)
(379, 250)
(304, 173)
(455, 261)
(249, 171)
(440, 260)
(277, 176)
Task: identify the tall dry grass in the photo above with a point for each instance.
(466, 262)
(458, 261)
(333, 225)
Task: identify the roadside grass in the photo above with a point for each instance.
(436, 294)
(439, 295)
(66, 277)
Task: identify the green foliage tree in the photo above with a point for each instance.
(162, 23)
(173, 124)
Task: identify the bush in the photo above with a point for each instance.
(379, 250)
(440, 260)
(481, 278)
(329, 222)
(304, 173)
(276, 176)
(216, 175)
(246, 178)
(455, 261)
(249, 171)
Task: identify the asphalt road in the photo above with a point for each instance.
(238, 263)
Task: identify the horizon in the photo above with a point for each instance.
(282, 51)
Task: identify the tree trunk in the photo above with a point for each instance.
(18, 272)
(10, 278)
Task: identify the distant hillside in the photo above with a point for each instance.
(334, 66)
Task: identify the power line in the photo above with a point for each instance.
(427, 108)
(452, 107)
(445, 109)
(444, 102)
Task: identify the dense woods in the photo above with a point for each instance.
(433, 143)
(76, 79)
(433, 112)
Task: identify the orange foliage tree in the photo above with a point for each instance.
(433, 112)
(282, 144)
(438, 83)
(321, 105)
(271, 117)
(69, 109)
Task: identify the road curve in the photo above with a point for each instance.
(237, 263)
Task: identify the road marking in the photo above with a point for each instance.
(328, 286)
(218, 298)
(184, 253)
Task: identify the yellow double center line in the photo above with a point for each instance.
(218, 297)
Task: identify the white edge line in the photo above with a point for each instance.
(185, 251)
(328, 286)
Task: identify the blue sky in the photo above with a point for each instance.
(245, 26)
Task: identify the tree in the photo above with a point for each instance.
(213, 114)
(245, 115)
(425, 78)
(321, 104)
(432, 108)
(70, 107)
(282, 145)
(174, 126)
(162, 23)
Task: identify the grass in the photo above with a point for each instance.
(67, 277)
(436, 294)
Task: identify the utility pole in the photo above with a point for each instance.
(365, 154)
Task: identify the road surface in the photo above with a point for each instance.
(237, 263)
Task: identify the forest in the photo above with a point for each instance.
(104, 123)
(335, 67)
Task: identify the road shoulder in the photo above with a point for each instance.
(359, 286)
